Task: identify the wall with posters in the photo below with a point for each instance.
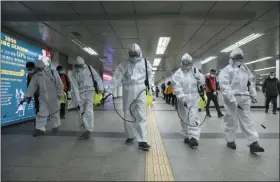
(15, 54)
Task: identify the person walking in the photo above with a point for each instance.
(271, 89)
(66, 88)
(211, 92)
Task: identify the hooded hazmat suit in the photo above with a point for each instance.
(50, 90)
(234, 79)
(185, 81)
(84, 91)
(132, 74)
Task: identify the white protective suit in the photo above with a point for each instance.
(185, 81)
(50, 90)
(84, 91)
(132, 74)
(233, 80)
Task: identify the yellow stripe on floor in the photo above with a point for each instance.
(157, 164)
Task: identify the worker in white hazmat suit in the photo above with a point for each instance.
(185, 82)
(132, 74)
(237, 85)
(50, 88)
(86, 81)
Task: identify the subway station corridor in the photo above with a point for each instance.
(65, 55)
(105, 157)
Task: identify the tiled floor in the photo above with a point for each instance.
(105, 157)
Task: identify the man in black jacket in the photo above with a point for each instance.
(271, 89)
(30, 66)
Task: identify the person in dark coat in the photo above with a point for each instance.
(30, 66)
(271, 89)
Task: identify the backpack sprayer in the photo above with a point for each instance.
(200, 90)
(130, 107)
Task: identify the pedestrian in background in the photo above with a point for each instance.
(66, 88)
(211, 92)
(271, 89)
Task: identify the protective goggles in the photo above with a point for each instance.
(78, 66)
(133, 54)
(238, 58)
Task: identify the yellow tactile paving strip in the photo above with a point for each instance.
(157, 163)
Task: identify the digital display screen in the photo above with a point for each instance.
(14, 56)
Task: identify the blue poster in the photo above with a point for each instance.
(14, 56)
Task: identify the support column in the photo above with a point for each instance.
(277, 76)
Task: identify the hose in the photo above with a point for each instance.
(253, 101)
(129, 106)
(28, 102)
(197, 125)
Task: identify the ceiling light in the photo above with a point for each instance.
(162, 45)
(154, 68)
(259, 60)
(264, 69)
(264, 74)
(90, 51)
(79, 43)
(242, 42)
(156, 61)
(208, 59)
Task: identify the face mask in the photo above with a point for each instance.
(61, 72)
(78, 66)
(212, 75)
(134, 59)
(272, 77)
(31, 71)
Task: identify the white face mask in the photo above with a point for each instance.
(31, 71)
(212, 75)
(272, 77)
(134, 59)
(61, 72)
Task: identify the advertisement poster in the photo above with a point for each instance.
(14, 56)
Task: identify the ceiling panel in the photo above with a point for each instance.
(228, 6)
(196, 6)
(13, 7)
(10, 24)
(126, 43)
(260, 7)
(157, 7)
(126, 33)
(31, 24)
(119, 7)
(101, 30)
(87, 7)
(49, 7)
(69, 23)
(96, 22)
(123, 23)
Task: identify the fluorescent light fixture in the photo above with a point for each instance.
(154, 69)
(90, 51)
(79, 43)
(265, 69)
(259, 60)
(156, 61)
(162, 45)
(264, 74)
(242, 42)
(208, 59)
